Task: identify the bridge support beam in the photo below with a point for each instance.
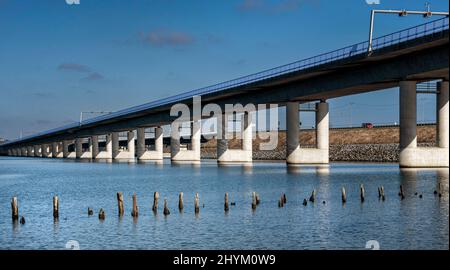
(294, 153)
(141, 151)
(411, 155)
(226, 155)
(176, 153)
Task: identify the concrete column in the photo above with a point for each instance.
(174, 142)
(222, 142)
(45, 150)
(24, 151)
(30, 151)
(65, 149)
(408, 115)
(159, 140)
(247, 132)
(36, 151)
(54, 148)
(93, 146)
(78, 147)
(109, 145)
(140, 143)
(292, 129)
(442, 113)
(115, 144)
(131, 146)
(322, 125)
(195, 138)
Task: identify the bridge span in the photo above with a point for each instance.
(401, 59)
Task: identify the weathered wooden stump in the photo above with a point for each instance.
(155, 202)
(225, 205)
(180, 202)
(401, 193)
(254, 200)
(284, 199)
(382, 193)
(90, 211)
(120, 203)
(312, 198)
(280, 202)
(344, 195)
(14, 208)
(101, 214)
(196, 204)
(55, 207)
(22, 220)
(135, 210)
(305, 202)
(166, 209)
(257, 199)
(362, 192)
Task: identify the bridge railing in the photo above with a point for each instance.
(433, 27)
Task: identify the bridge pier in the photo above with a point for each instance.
(176, 153)
(45, 151)
(30, 151)
(54, 149)
(37, 151)
(107, 154)
(65, 149)
(294, 153)
(116, 153)
(411, 155)
(141, 151)
(244, 155)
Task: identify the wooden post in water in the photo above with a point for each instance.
(22, 220)
(120, 203)
(344, 196)
(382, 193)
(257, 199)
(14, 209)
(90, 211)
(363, 193)
(180, 202)
(225, 206)
(155, 202)
(401, 194)
(55, 207)
(135, 211)
(197, 204)
(284, 198)
(101, 214)
(254, 200)
(166, 209)
(313, 196)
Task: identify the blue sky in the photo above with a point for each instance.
(57, 60)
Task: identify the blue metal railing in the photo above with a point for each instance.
(429, 28)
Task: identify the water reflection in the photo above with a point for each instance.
(397, 224)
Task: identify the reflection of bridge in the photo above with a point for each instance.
(405, 58)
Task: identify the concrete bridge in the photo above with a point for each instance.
(401, 59)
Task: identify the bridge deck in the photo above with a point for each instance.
(408, 41)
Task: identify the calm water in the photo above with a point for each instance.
(413, 223)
